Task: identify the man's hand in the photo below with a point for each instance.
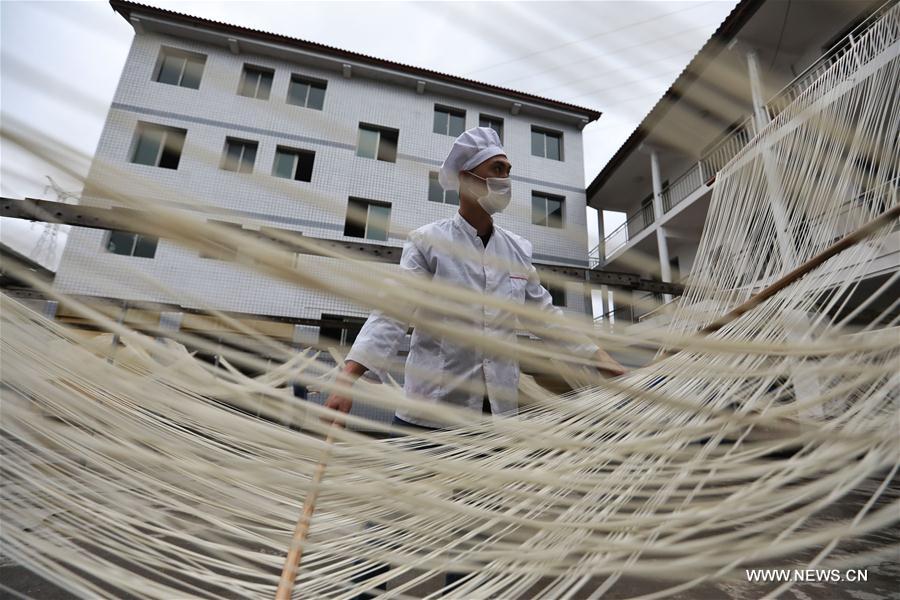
(341, 403)
(608, 365)
(348, 376)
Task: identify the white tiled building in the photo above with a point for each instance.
(270, 131)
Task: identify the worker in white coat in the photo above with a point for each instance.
(470, 251)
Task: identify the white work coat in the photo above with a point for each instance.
(438, 369)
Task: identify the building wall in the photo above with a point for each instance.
(315, 208)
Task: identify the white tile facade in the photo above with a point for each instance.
(317, 208)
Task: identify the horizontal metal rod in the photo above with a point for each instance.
(130, 220)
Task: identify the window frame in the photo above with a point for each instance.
(134, 238)
(223, 164)
(380, 131)
(492, 119)
(310, 83)
(449, 111)
(170, 51)
(142, 128)
(355, 200)
(546, 197)
(434, 183)
(547, 133)
(297, 153)
(260, 70)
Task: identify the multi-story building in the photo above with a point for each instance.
(765, 54)
(260, 130)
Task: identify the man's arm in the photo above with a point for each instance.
(537, 294)
(376, 345)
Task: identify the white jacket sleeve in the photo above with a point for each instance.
(535, 293)
(376, 345)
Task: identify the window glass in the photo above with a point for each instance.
(435, 191)
(297, 92)
(265, 86)
(170, 69)
(368, 143)
(316, 97)
(554, 213)
(145, 246)
(553, 147)
(440, 121)
(537, 143)
(379, 220)
(193, 70)
(120, 242)
(148, 146)
(284, 164)
(457, 124)
(249, 158)
(451, 197)
(538, 210)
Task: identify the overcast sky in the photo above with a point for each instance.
(61, 62)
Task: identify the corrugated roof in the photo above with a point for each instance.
(733, 23)
(124, 8)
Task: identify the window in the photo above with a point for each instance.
(547, 210)
(368, 219)
(131, 244)
(495, 123)
(377, 142)
(557, 294)
(178, 67)
(449, 121)
(338, 329)
(222, 251)
(239, 155)
(158, 145)
(303, 91)
(256, 82)
(293, 164)
(436, 193)
(547, 144)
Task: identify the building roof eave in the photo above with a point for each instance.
(732, 24)
(126, 8)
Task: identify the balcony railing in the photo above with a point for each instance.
(866, 41)
(682, 187)
(725, 148)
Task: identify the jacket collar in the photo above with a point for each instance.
(464, 225)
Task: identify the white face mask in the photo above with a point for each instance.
(498, 196)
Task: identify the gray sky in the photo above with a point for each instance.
(60, 63)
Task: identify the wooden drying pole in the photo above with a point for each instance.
(301, 531)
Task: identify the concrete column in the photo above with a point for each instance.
(665, 269)
(773, 177)
(601, 248)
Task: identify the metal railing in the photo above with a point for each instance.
(887, 21)
(725, 148)
(867, 40)
(688, 183)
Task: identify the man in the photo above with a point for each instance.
(471, 252)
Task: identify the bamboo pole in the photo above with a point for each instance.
(301, 531)
(836, 248)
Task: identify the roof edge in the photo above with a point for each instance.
(125, 8)
(726, 31)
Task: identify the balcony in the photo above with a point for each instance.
(867, 41)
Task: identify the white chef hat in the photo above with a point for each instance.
(470, 149)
